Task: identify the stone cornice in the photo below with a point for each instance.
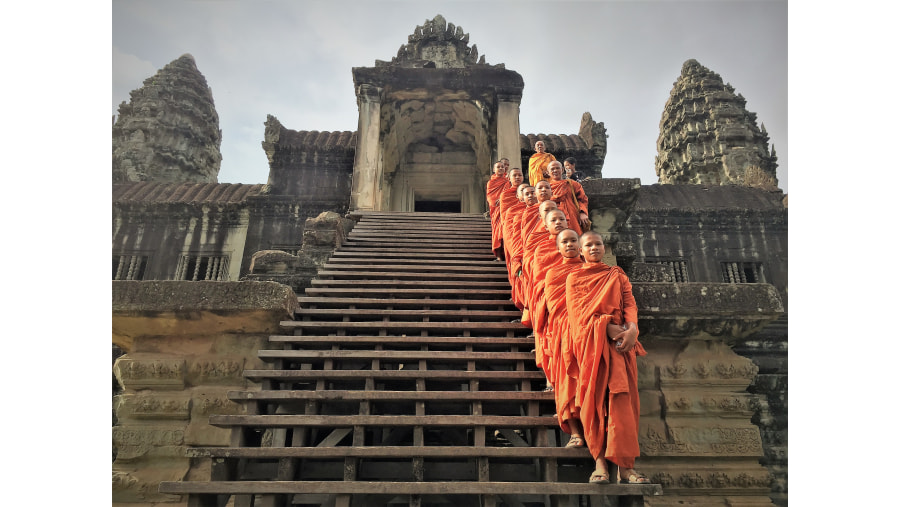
(713, 310)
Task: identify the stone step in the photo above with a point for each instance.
(496, 376)
(436, 244)
(387, 452)
(436, 286)
(405, 292)
(376, 395)
(495, 269)
(404, 341)
(408, 488)
(416, 262)
(413, 215)
(409, 315)
(408, 356)
(401, 275)
(409, 327)
(336, 302)
(394, 421)
(420, 253)
(450, 233)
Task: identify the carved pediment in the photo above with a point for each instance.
(437, 44)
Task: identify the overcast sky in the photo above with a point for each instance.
(616, 60)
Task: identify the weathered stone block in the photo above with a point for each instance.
(171, 308)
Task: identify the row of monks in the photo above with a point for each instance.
(581, 310)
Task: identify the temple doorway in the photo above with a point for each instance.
(439, 206)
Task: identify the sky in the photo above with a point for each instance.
(617, 60)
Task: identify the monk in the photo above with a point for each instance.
(511, 201)
(533, 229)
(495, 186)
(557, 334)
(516, 245)
(537, 164)
(603, 329)
(546, 255)
(570, 197)
(572, 173)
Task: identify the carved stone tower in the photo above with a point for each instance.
(431, 121)
(169, 131)
(707, 136)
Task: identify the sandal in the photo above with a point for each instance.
(598, 477)
(576, 442)
(635, 477)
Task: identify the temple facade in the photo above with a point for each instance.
(432, 121)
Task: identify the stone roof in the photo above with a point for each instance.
(554, 143)
(194, 193)
(313, 140)
(707, 198)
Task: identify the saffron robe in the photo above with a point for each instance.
(495, 186)
(545, 256)
(512, 238)
(537, 164)
(516, 249)
(559, 342)
(531, 218)
(570, 197)
(606, 392)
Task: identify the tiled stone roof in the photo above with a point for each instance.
(314, 140)
(707, 198)
(148, 191)
(554, 143)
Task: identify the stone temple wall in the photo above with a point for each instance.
(186, 345)
(309, 165)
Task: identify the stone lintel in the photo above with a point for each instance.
(180, 308)
(697, 310)
(486, 81)
(620, 193)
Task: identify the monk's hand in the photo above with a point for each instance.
(628, 339)
(614, 331)
(583, 220)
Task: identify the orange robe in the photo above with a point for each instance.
(516, 249)
(560, 345)
(511, 236)
(546, 255)
(606, 393)
(531, 218)
(495, 186)
(570, 197)
(537, 164)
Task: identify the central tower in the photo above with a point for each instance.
(431, 122)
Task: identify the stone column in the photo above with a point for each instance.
(508, 127)
(365, 190)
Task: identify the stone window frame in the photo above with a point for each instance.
(130, 265)
(743, 272)
(678, 265)
(214, 266)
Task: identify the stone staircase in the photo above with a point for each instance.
(402, 381)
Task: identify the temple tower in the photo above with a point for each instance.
(707, 136)
(431, 122)
(169, 131)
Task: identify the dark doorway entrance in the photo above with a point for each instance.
(439, 206)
